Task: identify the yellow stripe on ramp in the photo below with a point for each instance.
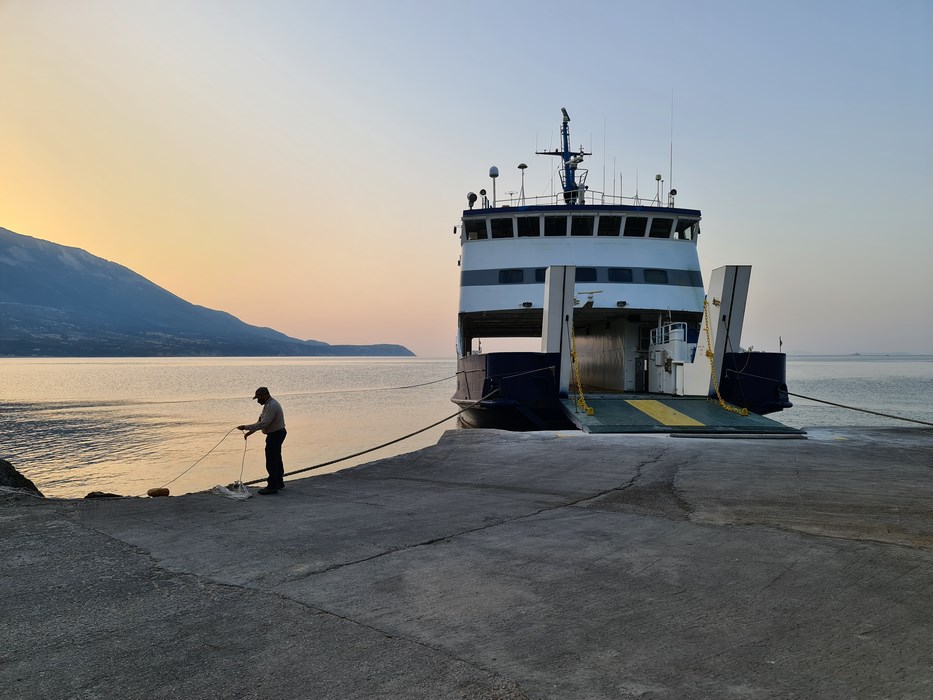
(662, 413)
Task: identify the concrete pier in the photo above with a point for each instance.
(496, 565)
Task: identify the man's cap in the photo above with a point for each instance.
(261, 391)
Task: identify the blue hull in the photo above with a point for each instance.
(520, 390)
(510, 391)
(756, 381)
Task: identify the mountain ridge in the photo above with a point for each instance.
(62, 301)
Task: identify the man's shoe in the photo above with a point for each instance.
(265, 491)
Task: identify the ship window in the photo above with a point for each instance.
(620, 274)
(555, 225)
(501, 228)
(656, 276)
(609, 225)
(684, 229)
(475, 229)
(635, 225)
(585, 274)
(529, 226)
(540, 274)
(660, 228)
(511, 276)
(582, 225)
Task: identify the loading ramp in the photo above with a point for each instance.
(656, 413)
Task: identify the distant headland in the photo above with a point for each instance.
(59, 301)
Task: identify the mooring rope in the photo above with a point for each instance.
(385, 444)
(492, 393)
(863, 410)
(833, 403)
(205, 455)
(412, 434)
(365, 389)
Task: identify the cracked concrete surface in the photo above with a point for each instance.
(498, 565)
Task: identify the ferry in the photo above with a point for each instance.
(611, 286)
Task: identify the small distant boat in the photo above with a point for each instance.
(612, 287)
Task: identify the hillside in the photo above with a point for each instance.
(59, 301)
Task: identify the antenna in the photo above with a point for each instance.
(670, 170)
(613, 177)
(522, 167)
(604, 158)
(573, 191)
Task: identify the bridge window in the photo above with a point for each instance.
(684, 229)
(660, 228)
(529, 226)
(475, 229)
(582, 225)
(609, 225)
(555, 225)
(635, 226)
(620, 274)
(511, 276)
(656, 276)
(540, 274)
(501, 228)
(585, 274)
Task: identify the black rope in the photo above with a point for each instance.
(863, 410)
(405, 437)
(385, 444)
(363, 389)
(199, 460)
(831, 403)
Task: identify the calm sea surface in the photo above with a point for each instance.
(128, 425)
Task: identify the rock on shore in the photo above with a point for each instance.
(10, 478)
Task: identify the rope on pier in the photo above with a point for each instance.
(243, 461)
(371, 449)
(385, 444)
(205, 455)
(412, 434)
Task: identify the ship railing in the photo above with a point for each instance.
(669, 332)
(513, 199)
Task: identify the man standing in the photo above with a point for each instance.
(272, 423)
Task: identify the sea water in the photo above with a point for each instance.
(127, 425)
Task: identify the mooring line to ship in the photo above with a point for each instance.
(832, 403)
(863, 410)
(205, 455)
(379, 447)
(371, 449)
(405, 437)
(377, 388)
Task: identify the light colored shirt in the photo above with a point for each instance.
(271, 419)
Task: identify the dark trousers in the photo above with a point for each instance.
(274, 459)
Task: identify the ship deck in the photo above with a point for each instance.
(653, 413)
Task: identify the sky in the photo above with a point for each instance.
(302, 164)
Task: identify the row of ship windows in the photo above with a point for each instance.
(588, 274)
(581, 225)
